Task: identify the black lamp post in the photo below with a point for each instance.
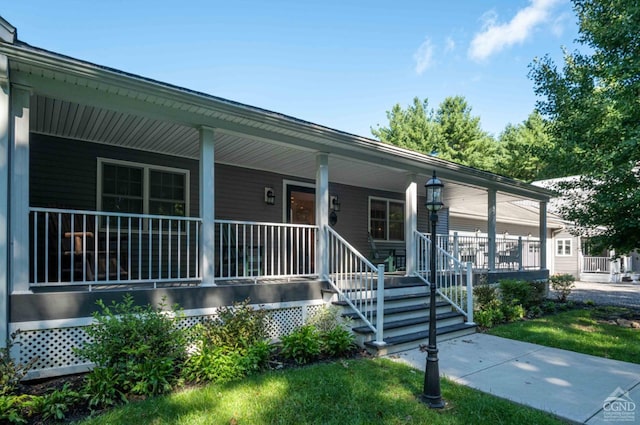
(431, 391)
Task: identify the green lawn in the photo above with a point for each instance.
(364, 391)
(581, 330)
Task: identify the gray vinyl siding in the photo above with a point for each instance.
(63, 172)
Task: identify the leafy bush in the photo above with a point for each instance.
(57, 404)
(484, 294)
(302, 345)
(512, 312)
(336, 338)
(11, 372)
(562, 284)
(513, 291)
(489, 316)
(237, 326)
(103, 389)
(230, 346)
(16, 409)
(336, 342)
(140, 347)
(548, 307)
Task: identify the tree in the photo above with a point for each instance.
(451, 133)
(526, 149)
(412, 128)
(594, 113)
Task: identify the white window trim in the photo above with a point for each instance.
(386, 232)
(145, 181)
(564, 244)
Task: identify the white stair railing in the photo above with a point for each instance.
(454, 279)
(356, 281)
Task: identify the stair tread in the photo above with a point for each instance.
(409, 322)
(405, 309)
(416, 336)
(388, 298)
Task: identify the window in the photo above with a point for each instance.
(563, 247)
(386, 219)
(129, 187)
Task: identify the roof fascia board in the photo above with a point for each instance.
(311, 136)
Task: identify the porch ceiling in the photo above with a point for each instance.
(67, 119)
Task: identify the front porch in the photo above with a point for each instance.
(94, 249)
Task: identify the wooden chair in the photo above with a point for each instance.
(75, 235)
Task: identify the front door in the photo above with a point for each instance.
(301, 209)
(301, 205)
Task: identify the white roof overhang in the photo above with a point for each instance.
(80, 100)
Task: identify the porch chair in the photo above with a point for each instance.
(77, 249)
(378, 257)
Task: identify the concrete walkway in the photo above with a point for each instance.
(571, 385)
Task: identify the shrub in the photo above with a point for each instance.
(490, 315)
(57, 404)
(237, 326)
(302, 345)
(336, 338)
(515, 291)
(484, 294)
(11, 372)
(548, 307)
(336, 342)
(16, 409)
(230, 346)
(103, 388)
(512, 312)
(140, 347)
(562, 284)
(535, 311)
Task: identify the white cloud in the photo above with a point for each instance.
(449, 45)
(495, 37)
(424, 56)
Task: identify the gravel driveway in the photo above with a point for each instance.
(624, 294)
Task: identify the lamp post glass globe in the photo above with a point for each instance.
(434, 193)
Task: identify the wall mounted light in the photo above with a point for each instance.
(269, 196)
(334, 203)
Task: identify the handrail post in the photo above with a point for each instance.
(469, 292)
(380, 306)
(520, 253)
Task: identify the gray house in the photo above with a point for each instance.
(113, 183)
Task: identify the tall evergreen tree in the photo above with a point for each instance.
(593, 108)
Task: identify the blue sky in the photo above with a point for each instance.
(341, 64)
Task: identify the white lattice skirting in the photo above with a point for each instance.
(53, 341)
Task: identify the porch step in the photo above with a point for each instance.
(395, 344)
(414, 324)
(404, 312)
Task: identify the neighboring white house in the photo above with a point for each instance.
(571, 253)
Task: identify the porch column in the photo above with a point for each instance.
(4, 199)
(543, 235)
(491, 228)
(19, 189)
(322, 212)
(410, 221)
(207, 207)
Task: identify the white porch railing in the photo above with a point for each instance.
(74, 247)
(454, 279)
(252, 250)
(511, 253)
(596, 265)
(356, 281)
